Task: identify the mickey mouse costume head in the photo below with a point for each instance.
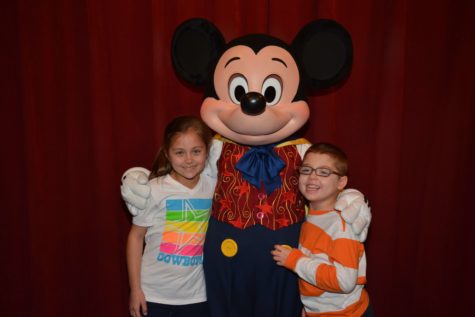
(255, 99)
(257, 84)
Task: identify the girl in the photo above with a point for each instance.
(166, 277)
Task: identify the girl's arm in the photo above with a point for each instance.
(135, 244)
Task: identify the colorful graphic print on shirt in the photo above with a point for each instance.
(184, 232)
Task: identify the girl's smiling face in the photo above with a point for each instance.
(187, 155)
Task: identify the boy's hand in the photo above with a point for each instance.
(137, 303)
(280, 253)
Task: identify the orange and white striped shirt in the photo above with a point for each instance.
(331, 264)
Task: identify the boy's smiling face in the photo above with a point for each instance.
(320, 191)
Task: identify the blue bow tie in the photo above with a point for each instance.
(261, 165)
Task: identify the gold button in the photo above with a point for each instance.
(229, 247)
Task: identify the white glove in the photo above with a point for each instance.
(135, 189)
(355, 211)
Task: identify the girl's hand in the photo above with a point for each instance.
(137, 302)
(280, 253)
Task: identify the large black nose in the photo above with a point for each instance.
(253, 103)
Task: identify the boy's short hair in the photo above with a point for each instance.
(337, 154)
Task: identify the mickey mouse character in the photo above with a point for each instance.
(255, 99)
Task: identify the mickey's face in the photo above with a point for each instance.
(255, 96)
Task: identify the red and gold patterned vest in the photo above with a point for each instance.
(243, 205)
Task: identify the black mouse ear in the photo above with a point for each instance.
(196, 45)
(325, 52)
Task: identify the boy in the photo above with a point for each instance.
(330, 261)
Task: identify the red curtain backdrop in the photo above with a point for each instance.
(87, 87)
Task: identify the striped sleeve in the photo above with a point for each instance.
(331, 258)
(293, 258)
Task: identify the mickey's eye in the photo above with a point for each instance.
(272, 90)
(237, 88)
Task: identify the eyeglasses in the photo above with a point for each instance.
(319, 171)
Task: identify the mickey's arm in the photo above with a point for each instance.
(211, 168)
(355, 211)
(135, 189)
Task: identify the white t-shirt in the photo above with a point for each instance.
(177, 220)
